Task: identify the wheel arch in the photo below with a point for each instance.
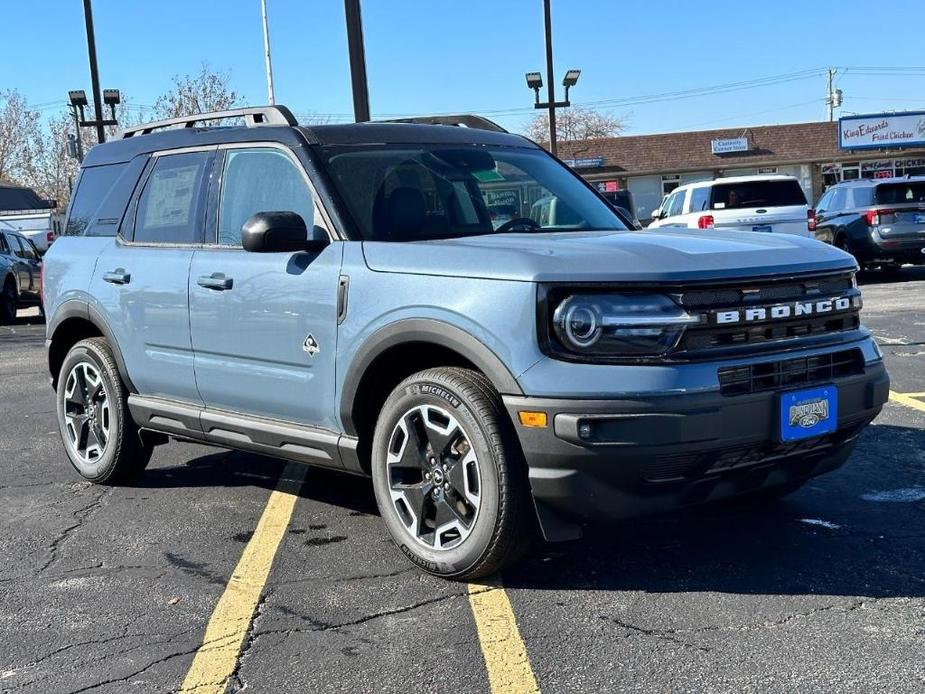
(400, 349)
(74, 321)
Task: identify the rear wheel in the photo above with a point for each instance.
(98, 433)
(448, 475)
(8, 302)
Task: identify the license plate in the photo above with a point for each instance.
(808, 413)
(762, 227)
(918, 219)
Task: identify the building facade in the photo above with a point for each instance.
(651, 166)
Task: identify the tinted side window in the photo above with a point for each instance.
(824, 202)
(259, 180)
(838, 199)
(171, 204)
(26, 250)
(860, 197)
(4, 249)
(93, 186)
(700, 199)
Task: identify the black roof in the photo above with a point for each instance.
(878, 181)
(344, 134)
(15, 198)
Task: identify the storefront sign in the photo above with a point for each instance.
(586, 163)
(729, 145)
(882, 131)
(608, 186)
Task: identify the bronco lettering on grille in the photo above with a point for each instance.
(793, 309)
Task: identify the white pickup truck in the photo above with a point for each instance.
(772, 203)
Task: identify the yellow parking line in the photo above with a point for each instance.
(217, 658)
(907, 400)
(505, 653)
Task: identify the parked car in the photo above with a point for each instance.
(881, 222)
(772, 203)
(42, 228)
(20, 275)
(337, 295)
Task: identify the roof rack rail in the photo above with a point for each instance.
(253, 117)
(465, 120)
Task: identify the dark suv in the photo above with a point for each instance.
(20, 275)
(881, 222)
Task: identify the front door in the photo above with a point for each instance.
(264, 325)
(141, 280)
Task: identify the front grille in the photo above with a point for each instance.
(757, 294)
(774, 375)
(697, 339)
(711, 337)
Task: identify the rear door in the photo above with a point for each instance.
(264, 325)
(30, 266)
(771, 206)
(141, 279)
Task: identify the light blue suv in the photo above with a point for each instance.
(339, 295)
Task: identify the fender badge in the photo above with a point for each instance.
(310, 346)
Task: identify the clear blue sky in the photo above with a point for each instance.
(434, 56)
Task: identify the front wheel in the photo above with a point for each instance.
(448, 475)
(97, 430)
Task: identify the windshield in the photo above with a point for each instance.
(417, 192)
(744, 194)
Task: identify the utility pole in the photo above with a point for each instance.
(550, 80)
(834, 96)
(357, 60)
(94, 73)
(271, 95)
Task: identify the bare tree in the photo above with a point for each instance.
(575, 123)
(50, 170)
(200, 93)
(19, 132)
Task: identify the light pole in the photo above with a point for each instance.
(271, 95)
(535, 82)
(77, 99)
(357, 60)
(94, 73)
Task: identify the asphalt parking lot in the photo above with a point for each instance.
(112, 589)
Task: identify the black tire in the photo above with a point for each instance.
(122, 456)
(501, 529)
(8, 301)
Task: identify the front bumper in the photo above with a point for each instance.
(657, 453)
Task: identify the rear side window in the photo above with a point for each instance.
(259, 180)
(170, 207)
(92, 188)
(899, 193)
(860, 197)
(744, 194)
(700, 199)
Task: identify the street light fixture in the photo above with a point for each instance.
(535, 81)
(78, 97)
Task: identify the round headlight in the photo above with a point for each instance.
(582, 325)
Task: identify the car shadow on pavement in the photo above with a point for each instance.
(237, 469)
(826, 539)
(909, 273)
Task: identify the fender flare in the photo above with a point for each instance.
(421, 330)
(82, 310)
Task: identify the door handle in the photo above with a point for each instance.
(117, 276)
(216, 280)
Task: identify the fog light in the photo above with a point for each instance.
(585, 430)
(535, 420)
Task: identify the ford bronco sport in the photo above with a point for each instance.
(338, 295)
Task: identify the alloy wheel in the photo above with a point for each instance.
(87, 414)
(434, 479)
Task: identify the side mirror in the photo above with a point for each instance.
(657, 213)
(279, 232)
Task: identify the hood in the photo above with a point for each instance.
(625, 256)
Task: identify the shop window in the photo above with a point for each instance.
(669, 183)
